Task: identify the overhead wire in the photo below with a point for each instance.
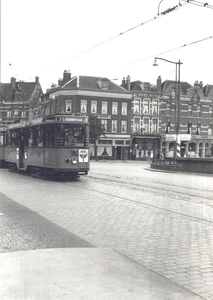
(198, 3)
(167, 51)
(120, 34)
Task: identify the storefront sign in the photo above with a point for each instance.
(170, 137)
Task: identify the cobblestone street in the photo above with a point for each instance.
(163, 221)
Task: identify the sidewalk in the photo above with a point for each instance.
(82, 273)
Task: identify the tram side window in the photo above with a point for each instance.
(8, 138)
(14, 139)
(38, 137)
(29, 139)
(48, 136)
(59, 129)
(1, 139)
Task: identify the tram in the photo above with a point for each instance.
(54, 146)
(2, 147)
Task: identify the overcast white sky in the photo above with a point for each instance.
(45, 37)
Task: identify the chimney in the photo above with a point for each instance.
(12, 80)
(37, 79)
(123, 84)
(60, 81)
(128, 83)
(66, 77)
(159, 84)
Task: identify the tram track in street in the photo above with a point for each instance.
(157, 183)
(145, 203)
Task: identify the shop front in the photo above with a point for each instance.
(145, 146)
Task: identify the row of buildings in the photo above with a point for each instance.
(139, 118)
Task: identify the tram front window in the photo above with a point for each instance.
(75, 136)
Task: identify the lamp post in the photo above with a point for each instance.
(177, 101)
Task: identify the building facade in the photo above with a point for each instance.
(86, 95)
(195, 119)
(18, 99)
(145, 118)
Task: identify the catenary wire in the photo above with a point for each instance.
(120, 34)
(167, 51)
(197, 3)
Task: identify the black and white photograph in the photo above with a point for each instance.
(106, 150)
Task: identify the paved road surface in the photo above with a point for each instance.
(164, 221)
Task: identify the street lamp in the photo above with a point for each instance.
(177, 101)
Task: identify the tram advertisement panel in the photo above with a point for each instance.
(83, 155)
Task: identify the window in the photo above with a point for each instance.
(124, 126)
(137, 106)
(83, 106)
(124, 108)
(146, 124)
(137, 124)
(23, 114)
(114, 125)
(210, 131)
(104, 107)
(15, 112)
(38, 137)
(104, 84)
(9, 114)
(155, 125)
(93, 107)
(104, 124)
(146, 106)
(155, 107)
(114, 108)
(68, 106)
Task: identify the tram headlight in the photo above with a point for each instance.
(74, 160)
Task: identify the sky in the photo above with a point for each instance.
(45, 37)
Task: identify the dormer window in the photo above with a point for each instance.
(104, 84)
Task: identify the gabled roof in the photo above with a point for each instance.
(167, 85)
(24, 89)
(92, 83)
(139, 86)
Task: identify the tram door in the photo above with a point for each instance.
(21, 150)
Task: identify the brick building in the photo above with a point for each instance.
(85, 95)
(145, 117)
(18, 99)
(196, 117)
